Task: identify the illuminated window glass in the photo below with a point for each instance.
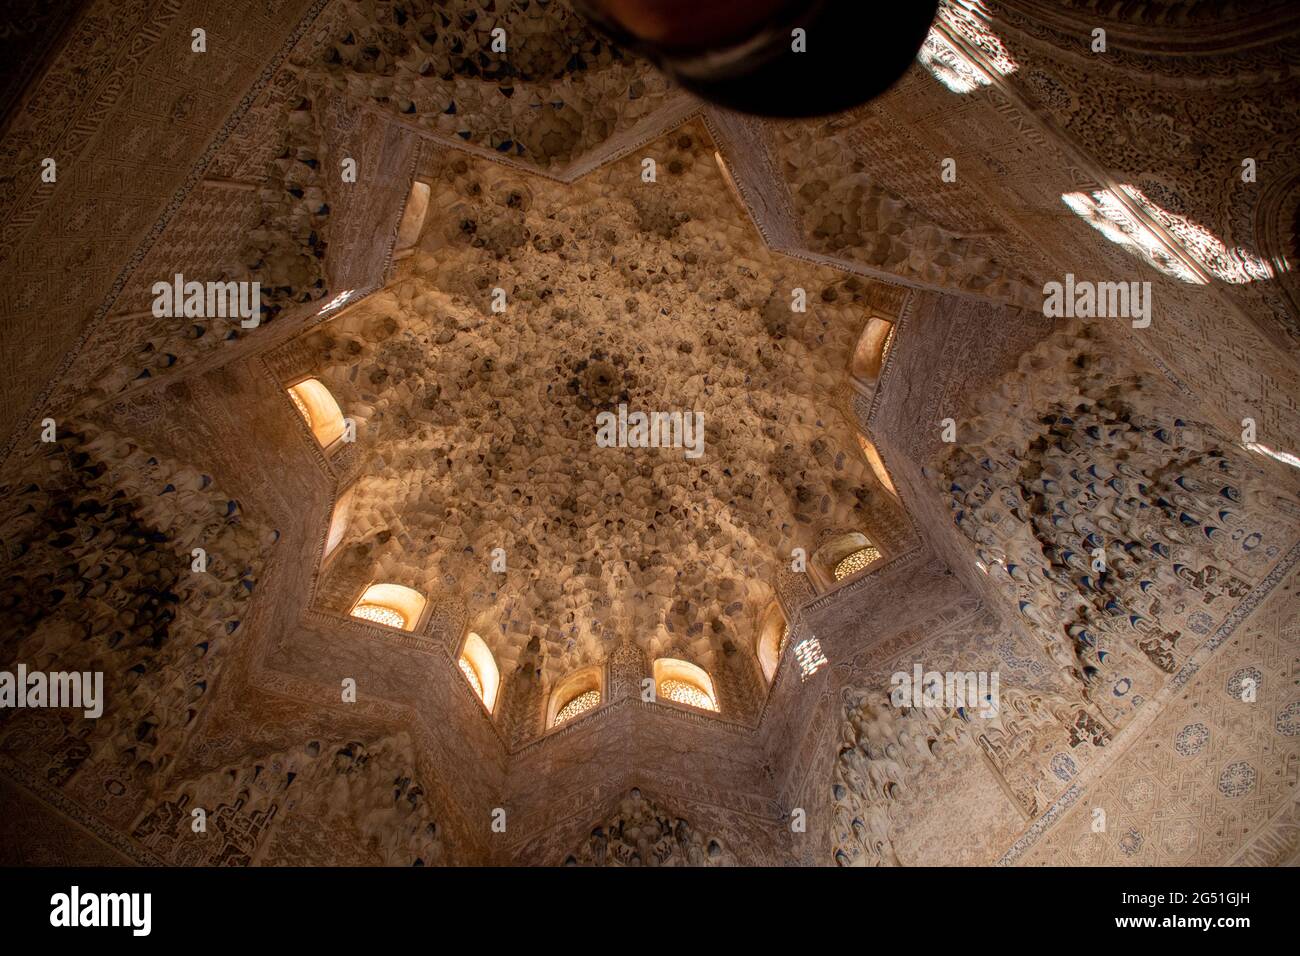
(855, 562)
(684, 683)
(889, 343)
(394, 605)
(379, 614)
(808, 653)
(684, 693)
(579, 705)
(471, 675)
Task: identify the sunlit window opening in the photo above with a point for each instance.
(579, 705)
(379, 614)
(684, 683)
(772, 636)
(841, 556)
(319, 410)
(393, 605)
(684, 693)
(339, 519)
(1111, 216)
(877, 465)
(408, 231)
(855, 562)
(573, 696)
(872, 350)
(480, 669)
(808, 654)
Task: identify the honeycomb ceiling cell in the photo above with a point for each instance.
(478, 428)
(529, 80)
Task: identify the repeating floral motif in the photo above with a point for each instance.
(1237, 779)
(1192, 739)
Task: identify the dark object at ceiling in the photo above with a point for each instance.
(740, 53)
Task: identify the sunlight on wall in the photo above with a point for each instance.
(872, 350)
(417, 206)
(1107, 213)
(337, 302)
(808, 653)
(952, 67)
(1285, 458)
(339, 519)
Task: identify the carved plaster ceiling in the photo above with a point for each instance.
(549, 90)
(478, 429)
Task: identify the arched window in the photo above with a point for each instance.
(392, 605)
(319, 410)
(772, 634)
(872, 350)
(877, 465)
(684, 683)
(843, 556)
(854, 562)
(408, 231)
(480, 669)
(578, 693)
(339, 521)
